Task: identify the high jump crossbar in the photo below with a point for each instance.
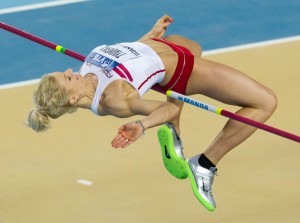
(169, 93)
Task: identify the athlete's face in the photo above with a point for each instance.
(73, 83)
(68, 80)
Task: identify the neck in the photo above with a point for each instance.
(87, 96)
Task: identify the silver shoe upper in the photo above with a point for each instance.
(178, 144)
(204, 179)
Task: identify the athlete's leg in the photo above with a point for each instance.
(196, 50)
(232, 87)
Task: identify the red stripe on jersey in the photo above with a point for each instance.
(150, 77)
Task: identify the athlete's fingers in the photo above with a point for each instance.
(118, 137)
(124, 143)
(118, 144)
(127, 143)
(117, 141)
(166, 18)
(165, 21)
(121, 142)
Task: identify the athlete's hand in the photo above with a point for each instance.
(127, 134)
(161, 26)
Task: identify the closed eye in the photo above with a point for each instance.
(67, 77)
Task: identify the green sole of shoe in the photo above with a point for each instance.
(174, 164)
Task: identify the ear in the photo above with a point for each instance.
(73, 99)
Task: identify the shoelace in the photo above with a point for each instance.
(214, 170)
(207, 187)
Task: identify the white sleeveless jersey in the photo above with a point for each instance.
(135, 63)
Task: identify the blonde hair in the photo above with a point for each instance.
(51, 100)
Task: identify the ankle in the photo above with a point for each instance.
(205, 162)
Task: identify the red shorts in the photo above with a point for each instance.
(183, 69)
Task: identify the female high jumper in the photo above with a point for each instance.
(113, 79)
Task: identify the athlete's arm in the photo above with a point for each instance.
(158, 29)
(155, 112)
(176, 120)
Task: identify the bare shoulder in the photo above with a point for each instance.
(115, 106)
(114, 100)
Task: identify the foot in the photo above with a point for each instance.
(171, 148)
(201, 180)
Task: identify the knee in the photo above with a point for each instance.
(270, 103)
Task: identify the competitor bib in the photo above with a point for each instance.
(109, 57)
